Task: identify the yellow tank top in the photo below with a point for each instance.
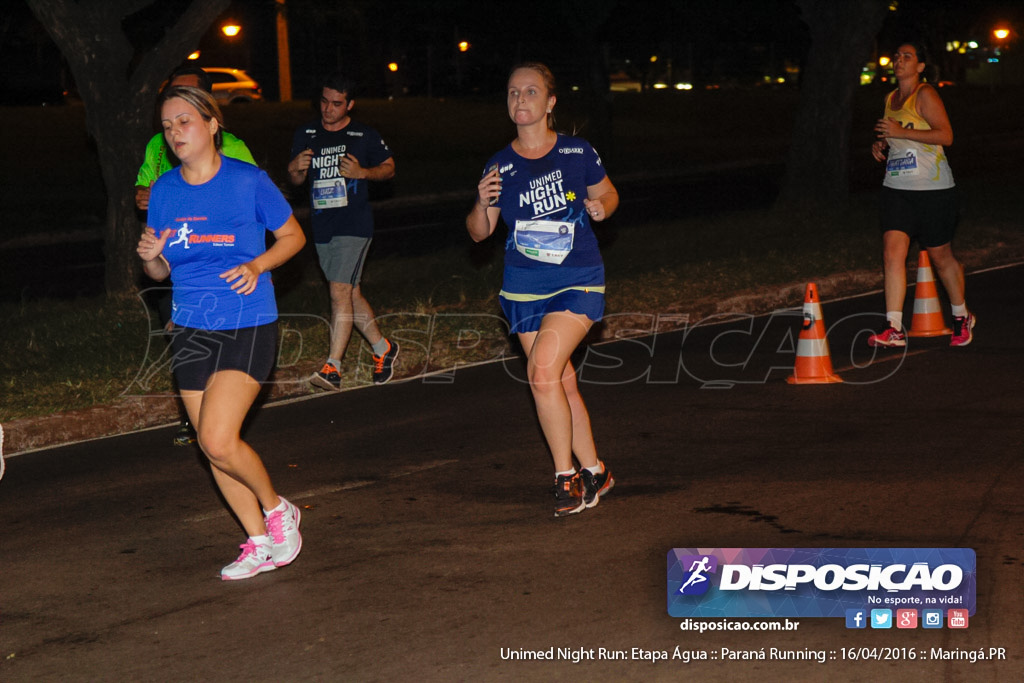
(914, 165)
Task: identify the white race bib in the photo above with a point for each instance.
(547, 241)
(329, 194)
(902, 166)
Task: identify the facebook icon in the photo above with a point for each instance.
(856, 618)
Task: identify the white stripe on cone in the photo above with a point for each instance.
(928, 305)
(810, 348)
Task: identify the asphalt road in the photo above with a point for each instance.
(430, 550)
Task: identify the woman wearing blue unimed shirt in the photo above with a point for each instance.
(548, 188)
(206, 230)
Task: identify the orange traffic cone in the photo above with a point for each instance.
(927, 321)
(813, 364)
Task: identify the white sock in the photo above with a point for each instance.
(596, 469)
(959, 311)
(261, 540)
(336, 363)
(280, 507)
(895, 319)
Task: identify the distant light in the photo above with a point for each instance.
(973, 45)
(231, 30)
(684, 86)
(1001, 33)
(575, 88)
(393, 66)
(660, 86)
(654, 58)
(463, 46)
(993, 60)
(780, 79)
(883, 61)
(194, 55)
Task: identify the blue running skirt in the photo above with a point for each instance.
(526, 315)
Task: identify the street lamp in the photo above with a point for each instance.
(231, 29)
(1001, 33)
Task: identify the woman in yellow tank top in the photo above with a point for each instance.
(918, 198)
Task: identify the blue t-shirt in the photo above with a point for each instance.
(217, 226)
(551, 188)
(339, 206)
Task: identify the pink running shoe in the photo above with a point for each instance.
(963, 327)
(890, 338)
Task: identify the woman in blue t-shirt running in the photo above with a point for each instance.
(548, 188)
(205, 230)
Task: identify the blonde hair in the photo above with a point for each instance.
(203, 103)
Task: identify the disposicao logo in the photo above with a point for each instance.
(817, 582)
(696, 582)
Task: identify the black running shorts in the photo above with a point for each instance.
(198, 354)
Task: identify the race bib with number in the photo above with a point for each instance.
(329, 194)
(902, 166)
(546, 241)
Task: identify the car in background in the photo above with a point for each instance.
(233, 86)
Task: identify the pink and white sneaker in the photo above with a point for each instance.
(254, 560)
(889, 338)
(963, 327)
(283, 529)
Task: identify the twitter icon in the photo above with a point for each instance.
(881, 618)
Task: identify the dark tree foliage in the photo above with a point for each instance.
(120, 52)
(842, 37)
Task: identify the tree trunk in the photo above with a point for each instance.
(118, 88)
(842, 34)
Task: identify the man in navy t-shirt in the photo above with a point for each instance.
(338, 156)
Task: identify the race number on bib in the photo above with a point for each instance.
(902, 166)
(329, 194)
(547, 241)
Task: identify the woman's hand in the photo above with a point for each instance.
(889, 128)
(595, 209)
(880, 150)
(488, 189)
(602, 200)
(243, 278)
(151, 246)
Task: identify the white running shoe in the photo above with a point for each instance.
(283, 529)
(253, 560)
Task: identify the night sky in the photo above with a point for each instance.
(730, 42)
